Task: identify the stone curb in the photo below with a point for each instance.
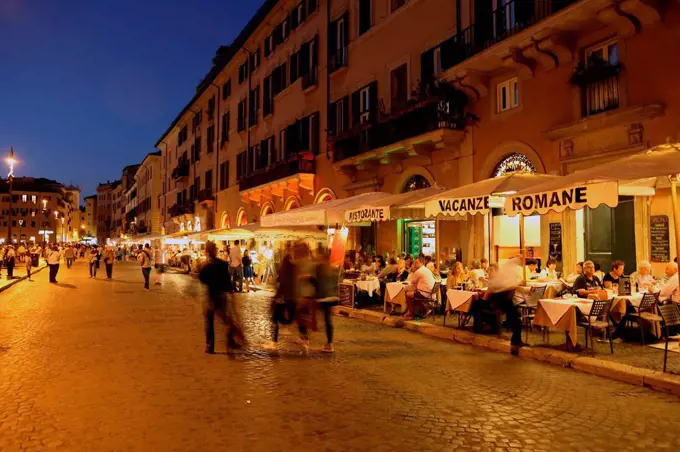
(652, 379)
(18, 280)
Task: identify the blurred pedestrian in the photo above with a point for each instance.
(212, 274)
(10, 261)
(94, 262)
(108, 261)
(29, 265)
(144, 259)
(236, 264)
(500, 295)
(53, 259)
(69, 255)
(284, 303)
(326, 284)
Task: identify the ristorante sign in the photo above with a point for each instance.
(458, 206)
(367, 214)
(575, 198)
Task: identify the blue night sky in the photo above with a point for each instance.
(88, 86)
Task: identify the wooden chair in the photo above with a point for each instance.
(597, 319)
(670, 314)
(647, 311)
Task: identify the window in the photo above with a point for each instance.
(254, 106)
(241, 125)
(211, 139)
(437, 61)
(24, 198)
(396, 4)
(255, 60)
(208, 180)
(294, 58)
(284, 30)
(364, 16)
(225, 128)
(269, 45)
(507, 95)
(399, 87)
(197, 149)
(268, 97)
(224, 175)
(243, 72)
(34, 199)
(211, 108)
(226, 90)
(337, 42)
(364, 104)
(297, 17)
(279, 79)
(181, 138)
(602, 93)
(312, 6)
(269, 151)
(241, 162)
(282, 146)
(341, 115)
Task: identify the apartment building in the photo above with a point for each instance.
(105, 210)
(143, 207)
(90, 222)
(316, 100)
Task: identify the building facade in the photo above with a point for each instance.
(90, 222)
(146, 212)
(105, 210)
(312, 102)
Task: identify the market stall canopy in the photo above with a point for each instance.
(638, 174)
(256, 231)
(327, 213)
(478, 197)
(403, 205)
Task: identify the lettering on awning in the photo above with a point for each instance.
(367, 214)
(575, 198)
(458, 206)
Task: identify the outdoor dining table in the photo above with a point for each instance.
(561, 314)
(459, 301)
(368, 285)
(619, 307)
(395, 294)
(552, 288)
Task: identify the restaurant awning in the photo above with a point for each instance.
(403, 205)
(479, 197)
(637, 174)
(327, 213)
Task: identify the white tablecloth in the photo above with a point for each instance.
(457, 298)
(634, 299)
(555, 309)
(394, 288)
(370, 285)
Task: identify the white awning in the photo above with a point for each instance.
(635, 175)
(403, 205)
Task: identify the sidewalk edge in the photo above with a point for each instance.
(22, 278)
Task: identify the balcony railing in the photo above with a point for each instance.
(601, 96)
(181, 209)
(311, 78)
(279, 170)
(205, 195)
(426, 116)
(339, 58)
(181, 170)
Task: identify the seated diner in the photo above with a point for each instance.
(587, 283)
(549, 273)
(423, 282)
(670, 290)
(643, 278)
(613, 278)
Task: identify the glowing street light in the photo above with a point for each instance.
(11, 161)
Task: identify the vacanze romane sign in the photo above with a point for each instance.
(367, 214)
(576, 197)
(458, 206)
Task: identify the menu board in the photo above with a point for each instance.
(346, 295)
(661, 243)
(556, 241)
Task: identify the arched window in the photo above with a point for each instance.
(225, 223)
(514, 163)
(267, 209)
(241, 218)
(416, 182)
(292, 203)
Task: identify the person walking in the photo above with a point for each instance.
(53, 258)
(212, 274)
(69, 255)
(94, 262)
(326, 285)
(108, 262)
(284, 302)
(236, 264)
(144, 258)
(29, 265)
(10, 260)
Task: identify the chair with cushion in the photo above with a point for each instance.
(597, 319)
(670, 314)
(647, 311)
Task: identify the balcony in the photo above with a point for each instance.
(186, 208)
(288, 176)
(310, 79)
(181, 170)
(206, 196)
(418, 129)
(338, 59)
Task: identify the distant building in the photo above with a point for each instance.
(90, 223)
(105, 210)
(143, 210)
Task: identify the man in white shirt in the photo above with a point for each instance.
(422, 281)
(236, 265)
(53, 258)
(670, 290)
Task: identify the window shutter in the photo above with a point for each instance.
(332, 118)
(294, 67)
(346, 111)
(449, 53)
(315, 53)
(426, 67)
(305, 145)
(303, 59)
(356, 107)
(332, 38)
(314, 125)
(293, 19)
(373, 100)
(346, 24)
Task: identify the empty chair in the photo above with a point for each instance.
(670, 315)
(597, 319)
(646, 311)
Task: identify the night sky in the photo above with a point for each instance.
(88, 86)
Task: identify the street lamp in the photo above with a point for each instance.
(10, 177)
(21, 224)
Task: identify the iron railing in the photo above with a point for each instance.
(600, 96)
(279, 170)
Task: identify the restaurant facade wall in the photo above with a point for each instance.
(548, 125)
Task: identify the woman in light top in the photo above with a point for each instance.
(549, 273)
(457, 277)
(643, 277)
(402, 273)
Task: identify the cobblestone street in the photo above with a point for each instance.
(97, 365)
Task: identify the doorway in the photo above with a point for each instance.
(610, 234)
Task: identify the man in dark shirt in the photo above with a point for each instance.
(612, 278)
(587, 283)
(215, 275)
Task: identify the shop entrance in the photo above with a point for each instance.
(419, 237)
(610, 234)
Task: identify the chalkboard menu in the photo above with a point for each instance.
(556, 241)
(346, 295)
(661, 244)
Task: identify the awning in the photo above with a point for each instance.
(638, 174)
(403, 205)
(327, 213)
(479, 197)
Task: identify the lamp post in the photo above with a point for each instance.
(10, 177)
(21, 225)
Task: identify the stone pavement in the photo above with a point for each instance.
(19, 274)
(103, 365)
